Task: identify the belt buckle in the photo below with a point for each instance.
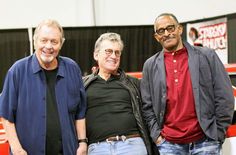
(108, 141)
(123, 138)
(117, 139)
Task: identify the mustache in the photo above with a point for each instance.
(168, 37)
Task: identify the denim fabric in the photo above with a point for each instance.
(203, 147)
(23, 102)
(131, 146)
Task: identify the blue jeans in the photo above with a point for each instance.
(131, 146)
(204, 147)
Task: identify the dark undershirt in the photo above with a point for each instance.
(53, 128)
(109, 110)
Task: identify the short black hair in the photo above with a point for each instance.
(165, 14)
(168, 14)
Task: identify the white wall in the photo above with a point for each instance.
(28, 13)
(70, 13)
(142, 12)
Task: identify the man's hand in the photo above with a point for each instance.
(19, 151)
(82, 150)
(159, 140)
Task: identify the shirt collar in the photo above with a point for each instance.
(61, 67)
(182, 50)
(35, 64)
(37, 68)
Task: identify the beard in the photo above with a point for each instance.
(46, 59)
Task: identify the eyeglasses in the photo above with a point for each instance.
(109, 52)
(169, 28)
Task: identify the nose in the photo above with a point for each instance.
(166, 33)
(48, 45)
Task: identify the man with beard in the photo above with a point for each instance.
(43, 100)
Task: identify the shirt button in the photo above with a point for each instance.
(173, 53)
(175, 71)
(174, 61)
(176, 80)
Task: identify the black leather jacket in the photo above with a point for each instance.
(132, 85)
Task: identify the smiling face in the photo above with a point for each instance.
(168, 33)
(108, 57)
(47, 46)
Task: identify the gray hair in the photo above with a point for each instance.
(110, 36)
(49, 23)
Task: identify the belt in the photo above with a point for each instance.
(122, 137)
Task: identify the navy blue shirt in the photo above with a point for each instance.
(23, 102)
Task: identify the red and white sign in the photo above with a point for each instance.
(212, 34)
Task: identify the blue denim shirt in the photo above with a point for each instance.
(23, 102)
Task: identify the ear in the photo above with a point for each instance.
(62, 42)
(95, 55)
(180, 28)
(156, 37)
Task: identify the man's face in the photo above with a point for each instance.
(47, 45)
(168, 33)
(108, 57)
